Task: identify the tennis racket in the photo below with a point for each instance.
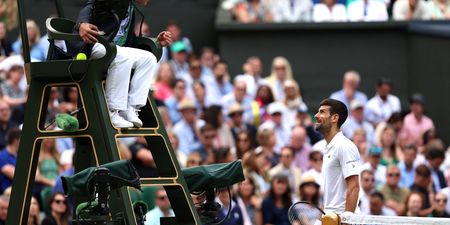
(304, 213)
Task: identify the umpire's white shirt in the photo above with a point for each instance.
(340, 160)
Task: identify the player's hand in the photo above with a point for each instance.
(89, 33)
(165, 38)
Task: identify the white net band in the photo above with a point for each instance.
(392, 220)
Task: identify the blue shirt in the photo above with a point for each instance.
(172, 108)
(6, 158)
(216, 91)
(407, 176)
(188, 140)
(340, 95)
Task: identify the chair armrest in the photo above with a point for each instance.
(62, 29)
(149, 44)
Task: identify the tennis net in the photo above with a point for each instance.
(392, 220)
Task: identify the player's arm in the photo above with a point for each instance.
(351, 199)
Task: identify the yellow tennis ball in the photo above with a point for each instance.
(81, 56)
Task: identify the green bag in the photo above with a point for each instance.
(122, 173)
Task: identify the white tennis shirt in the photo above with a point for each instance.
(340, 160)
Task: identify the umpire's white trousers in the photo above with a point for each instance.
(120, 91)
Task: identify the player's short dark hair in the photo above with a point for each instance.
(336, 107)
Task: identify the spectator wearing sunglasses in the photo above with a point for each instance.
(394, 195)
(59, 210)
(440, 202)
(162, 208)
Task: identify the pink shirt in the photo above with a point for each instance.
(162, 91)
(414, 129)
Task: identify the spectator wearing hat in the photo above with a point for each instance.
(367, 187)
(298, 141)
(282, 131)
(374, 165)
(416, 123)
(394, 195)
(356, 121)
(219, 86)
(178, 87)
(435, 157)
(349, 91)
(380, 107)
(236, 122)
(239, 95)
(286, 166)
(179, 61)
(309, 190)
(186, 128)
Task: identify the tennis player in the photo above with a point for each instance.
(341, 158)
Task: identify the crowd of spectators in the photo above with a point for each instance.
(292, 11)
(212, 116)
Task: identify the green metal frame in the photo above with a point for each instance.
(96, 138)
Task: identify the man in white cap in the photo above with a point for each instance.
(186, 128)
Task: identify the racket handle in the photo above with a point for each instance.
(331, 219)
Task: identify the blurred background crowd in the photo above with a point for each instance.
(266, 11)
(260, 117)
